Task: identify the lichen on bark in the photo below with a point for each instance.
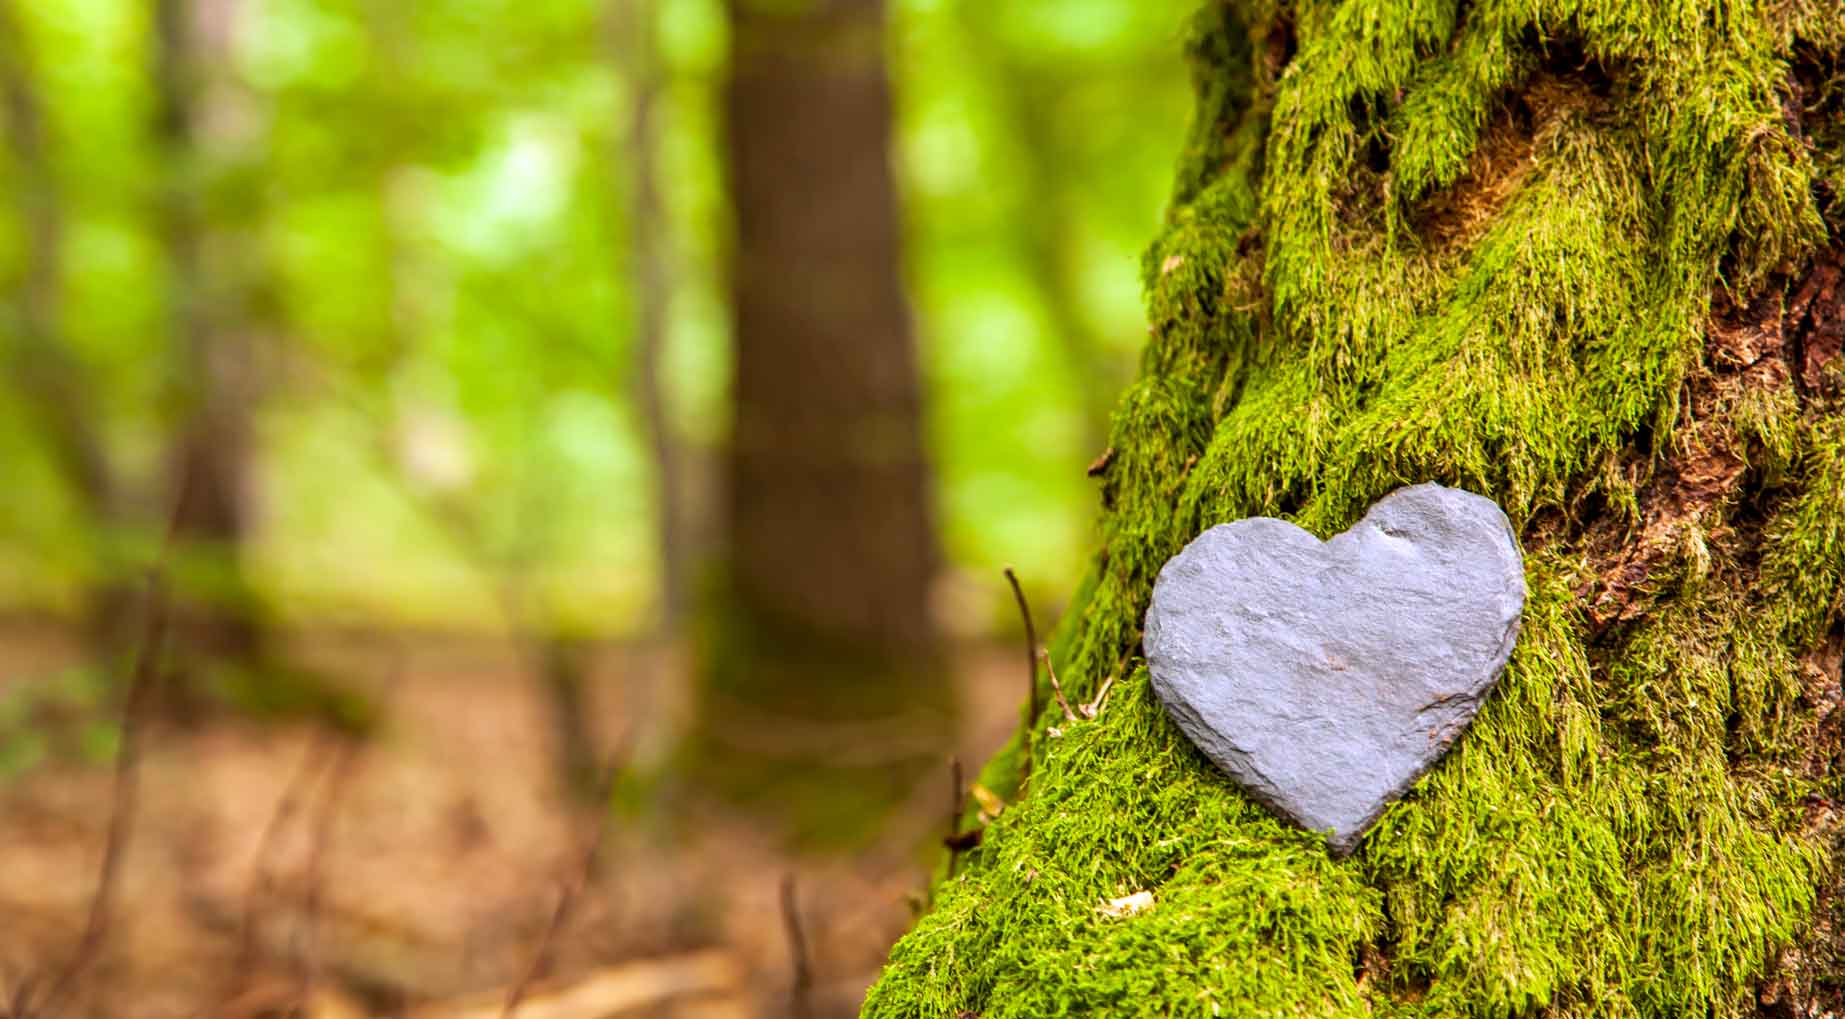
(1581, 257)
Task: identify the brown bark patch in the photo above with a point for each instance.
(1808, 978)
(1790, 334)
(1502, 161)
(1680, 510)
(1821, 336)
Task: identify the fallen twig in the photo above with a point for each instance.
(1031, 677)
(955, 798)
(257, 891)
(127, 778)
(801, 989)
(19, 997)
(122, 808)
(340, 773)
(567, 895)
(261, 878)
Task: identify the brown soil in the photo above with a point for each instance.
(418, 874)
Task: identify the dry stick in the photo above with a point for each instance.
(567, 896)
(339, 775)
(797, 948)
(127, 769)
(21, 997)
(1093, 709)
(1031, 678)
(954, 815)
(261, 879)
(1057, 688)
(122, 808)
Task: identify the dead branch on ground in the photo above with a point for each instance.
(542, 959)
(956, 796)
(125, 797)
(800, 992)
(340, 772)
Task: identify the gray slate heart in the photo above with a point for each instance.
(1326, 677)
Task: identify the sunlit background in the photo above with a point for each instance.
(369, 280)
(434, 194)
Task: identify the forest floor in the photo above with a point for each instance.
(273, 870)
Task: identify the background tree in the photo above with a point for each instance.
(824, 615)
(208, 131)
(635, 27)
(1583, 258)
(440, 224)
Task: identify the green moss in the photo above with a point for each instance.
(1619, 832)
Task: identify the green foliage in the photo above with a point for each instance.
(55, 716)
(1023, 127)
(1477, 247)
(435, 193)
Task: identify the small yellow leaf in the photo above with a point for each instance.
(990, 803)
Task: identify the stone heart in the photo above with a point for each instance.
(1326, 677)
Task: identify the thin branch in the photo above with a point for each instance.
(649, 253)
(345, 764)
(1031, 677)
(802, 987)
(20, 998)
(1057, 688)
(1093, 709)
(955, 797)
(543, 958)
(127, 789)
(261, 877)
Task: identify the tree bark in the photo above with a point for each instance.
(824, 615)
(211, 265)
(651, 277)
(1584, 258)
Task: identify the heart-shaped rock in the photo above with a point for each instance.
(1326, 677)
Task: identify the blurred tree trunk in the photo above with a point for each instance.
(211, 262)
(1584, 257)
(47, 374)
(650, 274)
(826, 659)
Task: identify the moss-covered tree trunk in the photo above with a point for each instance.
(823, 689)
(1584, 258)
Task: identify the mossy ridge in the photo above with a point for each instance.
(1620, 832)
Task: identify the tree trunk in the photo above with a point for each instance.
(47, 374)
(210, 267)
(825, 653)
(1583, 258)
(650, 274)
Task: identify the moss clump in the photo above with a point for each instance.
(1542, 250)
